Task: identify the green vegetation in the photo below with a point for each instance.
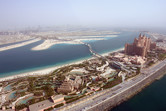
(112, 83)
(21, 106)
(59, 105)
(162, 56)
(150, 63)
(43, 87)
(48, 91)
(49, 109)
(74, 99)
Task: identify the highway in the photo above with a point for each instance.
(99, 97)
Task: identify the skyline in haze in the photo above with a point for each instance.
(101, 13)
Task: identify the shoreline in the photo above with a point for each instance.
(46, 71)
(50, 42)
(119, 93)
(19, 44)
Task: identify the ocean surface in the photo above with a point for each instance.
(23, 59)
(152, 98)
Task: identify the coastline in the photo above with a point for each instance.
(19, 44)
(116, 50)
(50, 42)
(112, 97)
(46, 71)
(37, 72)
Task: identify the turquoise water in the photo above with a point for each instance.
(24, 101)
(7, 88)
(12, 95)
(23, 59)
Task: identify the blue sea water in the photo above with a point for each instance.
(23, 59)
(152, 98)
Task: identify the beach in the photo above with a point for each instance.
(19, 44)
(50, 42)
(116, 50)
(38, 72)
(51, 69)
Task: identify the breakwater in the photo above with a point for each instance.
(131, 91)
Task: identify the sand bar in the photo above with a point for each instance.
(50, 42)
(19, 44)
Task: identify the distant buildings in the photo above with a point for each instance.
(140, 46)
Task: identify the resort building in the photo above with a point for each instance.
(43, 105)
(71, 84)
(140, 46)
(58, 98)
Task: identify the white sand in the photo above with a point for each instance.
(89, 37)
(38, 72)
(48, 43)
(18, 45)
(116, 50)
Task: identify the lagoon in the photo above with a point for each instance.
(23, 59)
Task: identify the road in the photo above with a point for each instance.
(102, 96)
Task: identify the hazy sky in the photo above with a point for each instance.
(132, 13)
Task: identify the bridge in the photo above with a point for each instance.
(104, 58)
(94, 53)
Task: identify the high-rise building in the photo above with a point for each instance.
(140, 46)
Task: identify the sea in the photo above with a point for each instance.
(152, 98)
(23, 59)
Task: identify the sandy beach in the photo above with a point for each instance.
(50, 42)
(49, 70)
(116, 50)
(18, 45)
(38, 72)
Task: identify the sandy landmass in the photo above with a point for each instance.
(18, 45)
(88, 37)
(71, 40)
(48, 43)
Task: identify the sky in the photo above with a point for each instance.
(112, 13)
